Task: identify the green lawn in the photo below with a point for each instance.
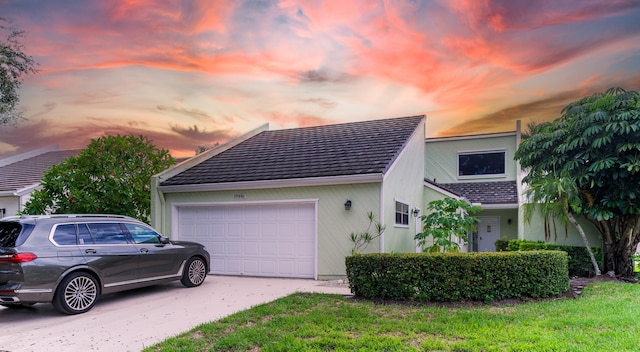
(605, 318)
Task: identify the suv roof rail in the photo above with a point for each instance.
(53, 216)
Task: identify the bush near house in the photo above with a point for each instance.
(458, 276)
(579, 262)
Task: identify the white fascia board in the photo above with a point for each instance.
(499, 206)
(286, 183)
(191, 162)
(471, 136)
(19, 192)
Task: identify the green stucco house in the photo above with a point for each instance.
(282, 203)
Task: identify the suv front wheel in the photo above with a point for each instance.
(77, 293)
(195, 272)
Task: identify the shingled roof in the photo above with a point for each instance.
(334, 150)
(502, 192)
(28, 172)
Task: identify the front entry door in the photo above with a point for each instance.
(488, 233)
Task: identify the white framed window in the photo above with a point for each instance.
(402, 214)
(489, 163)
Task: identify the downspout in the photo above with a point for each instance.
(382, 218)
(519, 188)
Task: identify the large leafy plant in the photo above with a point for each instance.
(449, 219)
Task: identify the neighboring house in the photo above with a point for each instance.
(283, 203)
(20, 175)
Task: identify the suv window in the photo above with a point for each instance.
(142, 234)
(107, 233)
(9, 232)
(84, 236)
(65, 235)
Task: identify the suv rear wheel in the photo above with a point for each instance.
(77, 293)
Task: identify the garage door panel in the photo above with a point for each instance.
(251, 249)
(276, 240)
(287, 249)
(233, 266)
(251, 231)
(269, 248)
(232, 248)
(287, 268)
(304, 250)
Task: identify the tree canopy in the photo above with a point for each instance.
(112, 175)
(14, 64)
(594, 146)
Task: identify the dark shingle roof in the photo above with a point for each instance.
(29, 172)
(502, 192)
(333, 150)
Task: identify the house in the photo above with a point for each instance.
(283, 203)
(481, 169)
(20, 175)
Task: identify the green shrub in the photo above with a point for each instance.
(501, 245)
(579, 261)
(458, 276)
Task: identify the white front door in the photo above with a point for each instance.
(488, 233)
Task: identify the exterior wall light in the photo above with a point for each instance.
(415, 212)
(347, 205)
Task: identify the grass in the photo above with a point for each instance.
(605, 318)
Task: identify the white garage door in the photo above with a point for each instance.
(274, 240)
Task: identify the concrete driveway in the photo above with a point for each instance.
(130, 321)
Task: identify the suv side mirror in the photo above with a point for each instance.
(164, 240)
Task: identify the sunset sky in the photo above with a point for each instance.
(188, 73)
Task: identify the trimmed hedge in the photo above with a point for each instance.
(458, 276)
(579, 261)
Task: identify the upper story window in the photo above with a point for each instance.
(402, 214)
(482, 164)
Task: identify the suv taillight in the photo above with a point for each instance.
(22, 257)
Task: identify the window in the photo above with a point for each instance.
(9, 233)
(402, 214)
(65, 234)
(84, 237)
(142, 234)
(107, 233)
(491, 163)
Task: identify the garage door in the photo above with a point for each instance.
(274, 240)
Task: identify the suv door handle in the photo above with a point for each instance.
(90, 251)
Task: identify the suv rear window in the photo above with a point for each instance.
(9, 232)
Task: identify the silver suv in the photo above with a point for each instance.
(70, 260)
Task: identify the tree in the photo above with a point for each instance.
(112, 175)
(556, 197)
(14, 64)
(449, 217)
(594, 148)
